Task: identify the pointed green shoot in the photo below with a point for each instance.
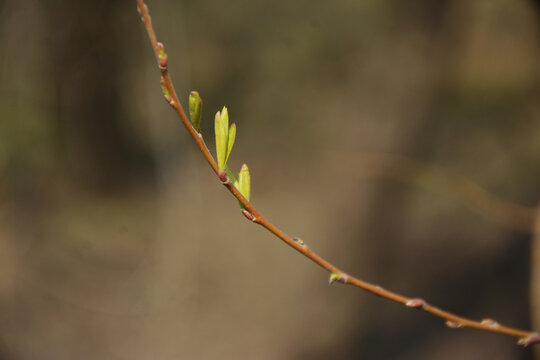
(244, 182)
(195, 109)
(224, 137)
(225, 118)
(221, 141)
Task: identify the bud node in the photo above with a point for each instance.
(453, 325)
(224, 178)
(248, 215)
(335, 277)
(416, 303)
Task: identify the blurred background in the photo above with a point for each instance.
(399, 139)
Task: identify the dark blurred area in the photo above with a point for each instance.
(399, 139)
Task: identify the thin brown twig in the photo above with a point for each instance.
(337, 275)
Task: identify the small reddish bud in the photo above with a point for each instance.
(163, 61)
(223, 177)
(335, 277)
(248, 215)
(162, 56)
(416, 303)
(453, 325)
(490, 323)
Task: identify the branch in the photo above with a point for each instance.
(249, 211)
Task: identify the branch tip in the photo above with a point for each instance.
(531, 339)
(140, 11)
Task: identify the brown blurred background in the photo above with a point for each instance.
(399, 139)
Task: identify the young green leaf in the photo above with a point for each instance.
(195, 109)
(230, 141)
(225, 118)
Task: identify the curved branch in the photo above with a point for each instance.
(337, 275)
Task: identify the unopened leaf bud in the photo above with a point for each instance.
(162, 55)
(195, 110)
(244, 182)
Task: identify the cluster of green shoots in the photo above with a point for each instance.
(225, 137)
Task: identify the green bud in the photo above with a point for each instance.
(162, 55)
(221, 141)
(333, 278)
(337, 277)
(195, 109)
(244, 182)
